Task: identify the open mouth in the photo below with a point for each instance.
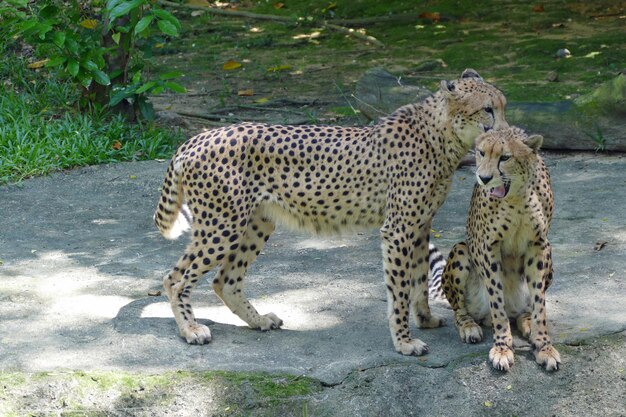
(500, 191)
(485, 127)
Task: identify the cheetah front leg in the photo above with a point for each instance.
(399, 271)
(501, 353)
(538, 263)
(454, 282)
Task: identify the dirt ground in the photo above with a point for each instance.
(80, 334)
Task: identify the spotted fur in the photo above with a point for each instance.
(239, 181)
(503, 269)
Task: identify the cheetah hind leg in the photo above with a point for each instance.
(178, 285)
(228, 284)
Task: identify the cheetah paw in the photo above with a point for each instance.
(413, 347)
(501, 357)
(471, 333)
(269, 321)
(429, 322)
(196, 334)
(549, 358)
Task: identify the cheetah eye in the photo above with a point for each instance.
(481, 153)
(489, 110)
(505, 158)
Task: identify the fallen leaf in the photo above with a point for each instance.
(154, 293)
(279, 5)
(538, 8)
(509, 387)
(89, 23)
(600, 245)
(262, 100)
(231, 65)
(279, 68)
(117, 145)
(488, 404)
(245, 93)
(37, 64)
(434, 16)
(132, 177)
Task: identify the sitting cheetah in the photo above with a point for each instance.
(504, 268)
(239, 181)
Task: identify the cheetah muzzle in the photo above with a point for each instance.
(237, 182)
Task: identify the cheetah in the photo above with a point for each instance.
(504, 267)
(231, 185)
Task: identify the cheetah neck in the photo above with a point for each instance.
(451, 147)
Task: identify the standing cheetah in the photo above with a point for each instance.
(231, 185)
(504, 268)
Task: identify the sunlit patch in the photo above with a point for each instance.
(256, 30)
(299, 309)
(312, 35)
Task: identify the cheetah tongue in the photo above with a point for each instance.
(498, 192)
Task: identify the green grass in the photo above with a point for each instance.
(508, 42)
(42, 130)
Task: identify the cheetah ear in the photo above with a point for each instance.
(534, 142)
(470, 73)
(448, 88)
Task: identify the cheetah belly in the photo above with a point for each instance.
(321, 219)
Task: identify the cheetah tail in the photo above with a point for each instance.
(172, 216)
(437, 263)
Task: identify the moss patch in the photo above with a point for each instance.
(134, 393)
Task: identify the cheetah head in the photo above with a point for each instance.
(473, 105)
(504, 159)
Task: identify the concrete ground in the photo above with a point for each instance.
(79, 258)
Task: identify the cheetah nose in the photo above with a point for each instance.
(485, 180)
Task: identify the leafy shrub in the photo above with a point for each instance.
(101, 46)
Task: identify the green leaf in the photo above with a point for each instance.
(58, 38)
(71, 45)
(167, 27)
(165, 15)
(158, 90)
(120, 95)
(85, 80)
(18, 3)
(143, 24)
(146, 108)
(90, 66)
(56, 61)
(175, 87)
(100, 77)
(116, 37)
(170, 75)
(73, 67)
(122, 9)
(48, 11)
(136, 77)
(145, 87)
